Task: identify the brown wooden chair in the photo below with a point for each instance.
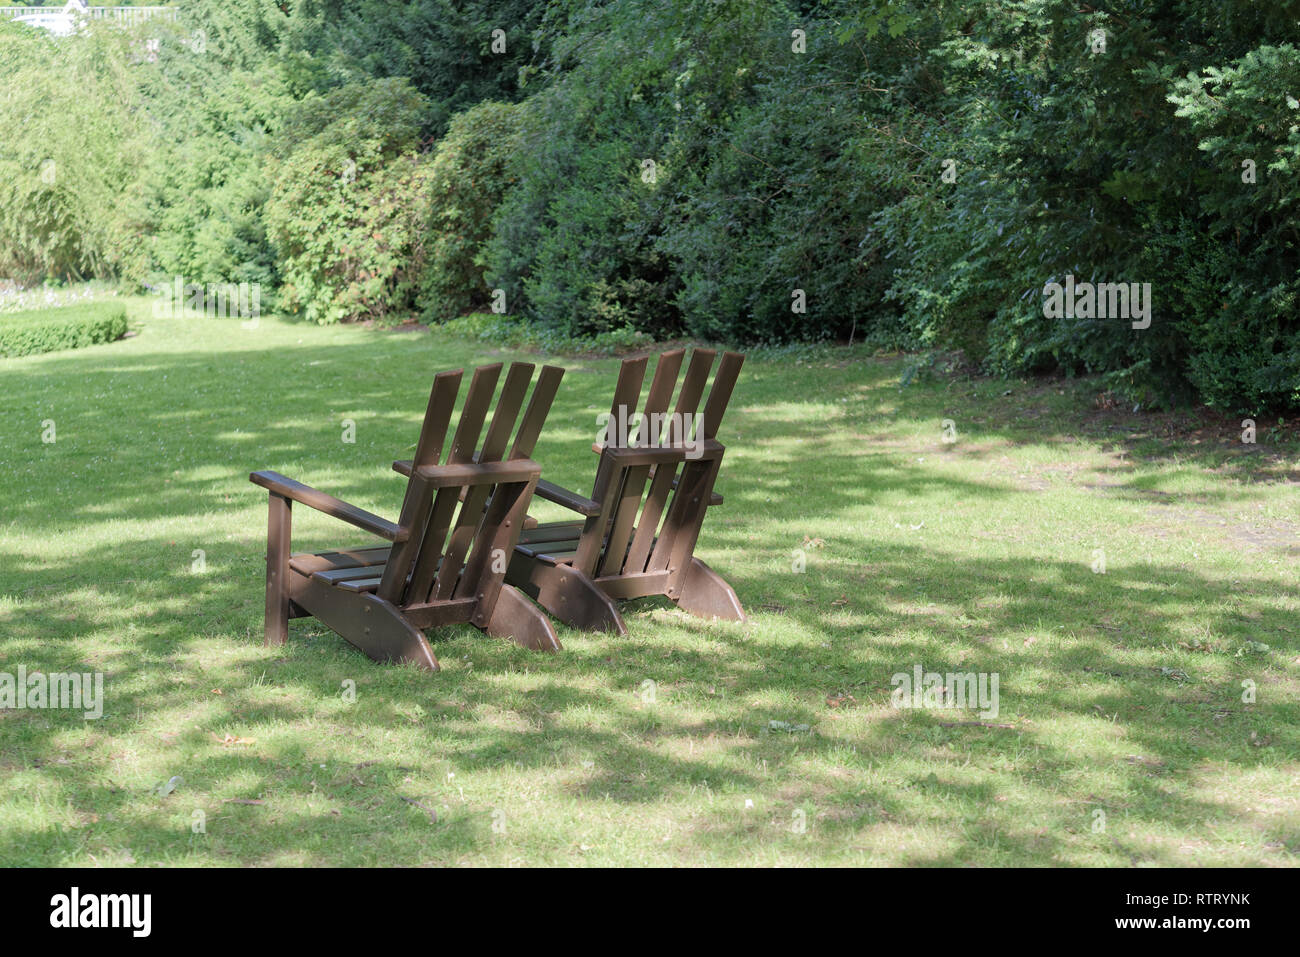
(620, 548)
(442, 567)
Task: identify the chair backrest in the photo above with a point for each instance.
(640, 531)
(461, 556)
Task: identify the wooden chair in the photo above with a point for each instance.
(442, 567)
(619, 549)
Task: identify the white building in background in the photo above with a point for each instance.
(62, 23)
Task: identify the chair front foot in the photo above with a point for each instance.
(567, 594)
(706, 595)
(516, 618)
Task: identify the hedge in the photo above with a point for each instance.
(70, 327)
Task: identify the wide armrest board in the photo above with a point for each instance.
(570, 500)
(278, 484)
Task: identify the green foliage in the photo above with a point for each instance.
(612, 223)
(468, 176)
(72, 156)
(209, 179)
(513, 332)
(698, 167)
(444, 47)
(69, 327)
(1242, 331)
(1114, 164)
(349, 204)
(575, 239)
(771, 201)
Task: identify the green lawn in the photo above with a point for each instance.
(1122, 690)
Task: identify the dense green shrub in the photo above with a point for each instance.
(1112, 161)
(209, 179)
(607, 212)
(574, 244)
(915, 171)
(71, 156)
(1243, 328)
(349, 207)
(445, 48)
(69, 327)
(468, 176)
(776, 201)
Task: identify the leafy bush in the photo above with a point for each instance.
(515, 333)
(1241, 325)
(447, 49)
(209, 179)
(468, 176)
(574, 244)
(576, 240)
(72, 155)
(70, 327)
(349, 207)
(1158, 117)
(775, 203)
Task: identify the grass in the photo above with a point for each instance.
(1122, 690)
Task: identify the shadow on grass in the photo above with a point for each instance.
(156, 449)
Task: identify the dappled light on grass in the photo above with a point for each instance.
(688, 742)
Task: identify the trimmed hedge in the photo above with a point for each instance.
(70, 327)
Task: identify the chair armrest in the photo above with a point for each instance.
(406, 467)
(472, 473)
(277, 484)
(562, 496)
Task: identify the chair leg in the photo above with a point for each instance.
(706, 595)
(567, 594)
(516, 618)
(279, 524)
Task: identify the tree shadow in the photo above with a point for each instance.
(152, 463)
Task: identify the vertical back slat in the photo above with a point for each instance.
(688, 400)
(609, 477)
(720, 395)
(502, 523)
(477, 399)
(507, 411)
(650, 433)
(661, 393)
(471, 515)
(685, 514)
(628, 503)
(660, 486)
(437, 416)
(682, 528)
(415, 504)
(539, 406)
(631, 375)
